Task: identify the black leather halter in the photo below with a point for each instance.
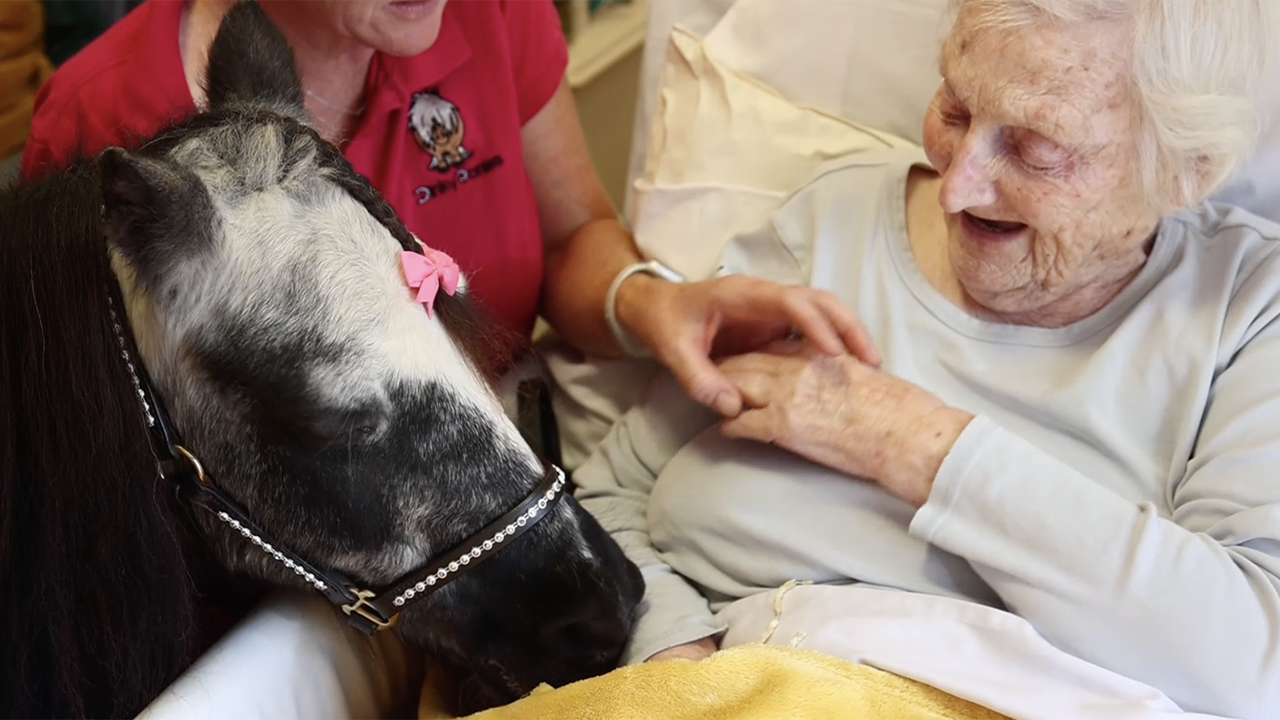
(366, 609)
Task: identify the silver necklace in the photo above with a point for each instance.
(338, 135)
(339, 108)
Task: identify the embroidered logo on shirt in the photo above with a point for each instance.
(424, 193)
(437, 125)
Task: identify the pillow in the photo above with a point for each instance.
(875, 63)
(699, 16)
(723, 151)
(870, 61)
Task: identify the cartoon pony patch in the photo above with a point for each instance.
(437, 126)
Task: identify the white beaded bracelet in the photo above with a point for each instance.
(652, 267)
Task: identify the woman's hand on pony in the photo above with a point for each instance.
(686, 325)
(696, 650)
(842, 413)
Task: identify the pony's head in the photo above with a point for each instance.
(261, 279)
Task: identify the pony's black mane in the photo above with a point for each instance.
(97, 526)
(84, 519)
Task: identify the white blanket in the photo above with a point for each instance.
(294, 658)
(987, 656)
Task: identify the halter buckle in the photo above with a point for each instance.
(195, 463)
(366, 610)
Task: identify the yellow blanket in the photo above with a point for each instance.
(747, 682)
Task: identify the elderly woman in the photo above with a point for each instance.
(1077, 415)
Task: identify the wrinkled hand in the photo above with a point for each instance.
(696, 650)
(839, 412)
(686, 325)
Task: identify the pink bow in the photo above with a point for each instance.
(429, 273)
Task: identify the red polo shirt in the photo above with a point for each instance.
(440, 135)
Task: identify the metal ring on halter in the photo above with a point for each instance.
(194, 463)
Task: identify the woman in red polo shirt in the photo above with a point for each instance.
(459, 114)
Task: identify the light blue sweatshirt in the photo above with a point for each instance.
(1120, 487)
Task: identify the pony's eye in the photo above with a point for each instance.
(364, 424)
(365, 432)
(344, 426)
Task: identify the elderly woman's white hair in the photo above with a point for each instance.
(1197, 68)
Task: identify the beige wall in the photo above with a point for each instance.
(606, 107)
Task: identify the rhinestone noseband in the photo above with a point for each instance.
(366, 609)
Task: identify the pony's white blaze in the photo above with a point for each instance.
(417, 346)
(330, 248)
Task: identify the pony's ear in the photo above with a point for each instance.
(153, 211)
(250, 63)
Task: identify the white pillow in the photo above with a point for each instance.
(871, 61)
(699, 16)
(723, 151)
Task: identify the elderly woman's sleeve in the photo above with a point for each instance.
(1187, 601)
(614, 486)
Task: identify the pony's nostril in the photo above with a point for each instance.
(595, 639)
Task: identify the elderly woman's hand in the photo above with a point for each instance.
(696, 650)
(686, 325)
(841, 413)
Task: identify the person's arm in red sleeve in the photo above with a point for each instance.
(40, 154)
(539, 53)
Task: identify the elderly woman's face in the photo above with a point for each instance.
(396, 27)
(1032, 131)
